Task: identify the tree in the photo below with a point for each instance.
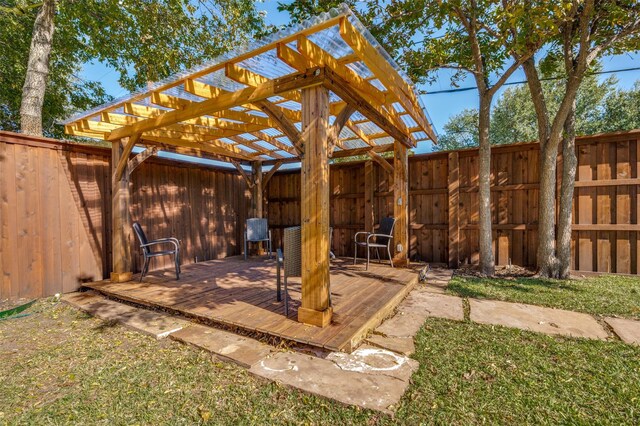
(470, 37)
(590, 29)
(461, 131)
(142, 41)
(600, 108)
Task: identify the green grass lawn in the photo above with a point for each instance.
(604, 295)
(61, 367)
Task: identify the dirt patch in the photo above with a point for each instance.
(504, 272)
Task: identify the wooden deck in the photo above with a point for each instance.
(238, 293)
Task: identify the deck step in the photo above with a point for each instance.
(149, 322)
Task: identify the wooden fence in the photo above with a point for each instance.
(443, 204)
(56, 226)
(55, 213)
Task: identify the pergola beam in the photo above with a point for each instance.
(309, 78)
(374, 113)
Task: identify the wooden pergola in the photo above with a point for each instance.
(323, 90)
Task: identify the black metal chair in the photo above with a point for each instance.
(377, 240)
(145, 245)
(257, 232)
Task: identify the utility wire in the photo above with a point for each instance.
(464, 89)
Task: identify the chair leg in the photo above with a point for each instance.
(145, 267)
(245, 249)
(368, 256)
(286, 297)
(278, 289)
(389, 253)
(355, 253)
(177, 260)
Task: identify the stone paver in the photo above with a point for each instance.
(402, 325)
(434, 305)
(153, 323)
(626, 329)
(371, 360)
(536, 318)
(325, 378)
(437, 280)
(400, 345)
(224, 345)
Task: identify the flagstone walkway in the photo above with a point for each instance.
(377, 374)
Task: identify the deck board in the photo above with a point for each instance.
(239, 293)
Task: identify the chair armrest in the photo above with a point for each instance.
(355, 237)
(162, 241)
(379, 235)
(177, 241)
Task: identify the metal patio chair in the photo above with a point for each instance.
(377, 240)
(146, 245)
(289, 264)
(257, 231)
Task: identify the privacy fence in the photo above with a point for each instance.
(443, 204)
(55, 218)
(55, 213)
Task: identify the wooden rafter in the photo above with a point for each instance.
(386, 73)
(312, 77)
(286, 126)
(218, 120)
(375, 113)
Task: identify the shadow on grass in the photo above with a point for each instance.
(484, 288)
(105, 325)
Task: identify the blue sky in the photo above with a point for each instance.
(439, 106)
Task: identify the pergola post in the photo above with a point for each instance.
(257, 196)
(315, 309)
(369, 197)
(401, 203)
(121, 219)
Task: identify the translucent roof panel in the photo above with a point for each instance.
(252, 95)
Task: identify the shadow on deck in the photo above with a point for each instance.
(238, 293)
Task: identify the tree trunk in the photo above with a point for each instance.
(35, 82)
(546, 255)
(569, 166)
(487, 264)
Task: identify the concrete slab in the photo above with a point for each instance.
(626, 329)
(400, 345)
(536, 318)
(371, 360)
(153, 323)
(402, 325)
(325, 378)
(224, 345)
(434, 305)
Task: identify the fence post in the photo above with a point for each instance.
(454, 216)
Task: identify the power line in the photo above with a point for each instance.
(464, 89)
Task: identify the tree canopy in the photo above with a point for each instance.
(141, 40)
(600, 107)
